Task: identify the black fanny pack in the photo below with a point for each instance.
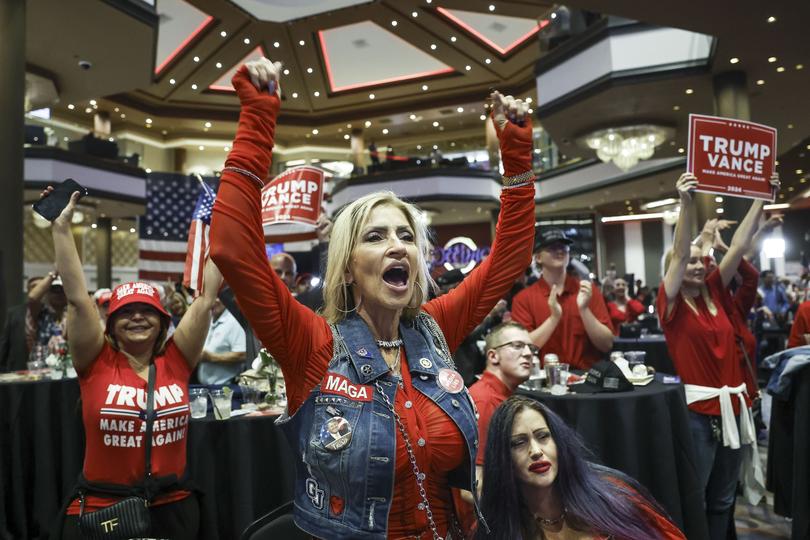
(129, 517)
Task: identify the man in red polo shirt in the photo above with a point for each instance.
(564, 315)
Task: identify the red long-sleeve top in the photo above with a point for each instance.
(301, 341)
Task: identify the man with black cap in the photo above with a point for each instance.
(565, 315)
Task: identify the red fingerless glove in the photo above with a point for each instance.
(516, 147)
(253, 145)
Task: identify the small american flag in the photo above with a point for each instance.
(163, 235)
(197, 252)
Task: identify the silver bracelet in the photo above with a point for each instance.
(512, 186)
(519, 179)
(246, 173)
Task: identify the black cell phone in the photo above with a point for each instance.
(51, 206)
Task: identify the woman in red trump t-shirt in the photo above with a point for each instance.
(701, 341)
(113, 368)
(623, 309)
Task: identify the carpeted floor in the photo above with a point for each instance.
(759, 522)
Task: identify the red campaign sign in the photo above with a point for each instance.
(731, 157)
(291, 202)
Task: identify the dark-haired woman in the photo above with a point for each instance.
(539, 484)
(113, 368)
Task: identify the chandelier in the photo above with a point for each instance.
(626, 146)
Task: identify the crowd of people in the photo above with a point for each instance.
(377, 358)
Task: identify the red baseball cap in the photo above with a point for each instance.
(135, 292)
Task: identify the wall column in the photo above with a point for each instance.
(12, 110)
(103, 238)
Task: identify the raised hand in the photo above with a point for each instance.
(508, 109)
(514, 129)
(256, 79)
(686, 185)
(65, 218)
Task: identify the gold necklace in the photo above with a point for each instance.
(544, 522)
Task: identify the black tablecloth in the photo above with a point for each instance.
(788, 473)
(654, 345)
(643, 433)
(243, 465)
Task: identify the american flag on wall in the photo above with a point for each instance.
(163, 230)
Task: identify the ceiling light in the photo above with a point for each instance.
(348, 126)
(71, 106)
(771, 19)
(316, 93)
(246, 41)
(295, 95)
(482, 117)
(658, 204)
(276, 44)
(626, 146)
(453, 38)
(412, 117)
(681, 150)
(172, 81)
(347, 137)
(435, 123)
(460, 109)
(433, 47)
(636, 217)
(286, 72)
(315, 131)
(309, 70)
(418, 146)
(208, 124)
(428, 1)
(689, 91)
(93, 102)
(424, 87)
(193, 86)
(368, 123)
(468, 67)
(219, 65)
(780, 69)
(801, 180)
(435, 146)
(148, 120)
(676, 108)
(790, 126)
(528, 99)
(201, 147)
(487, 61)
(718, 199)
(371, 96)
(93, 226)
(799, 66)
(223, 33)
(114, 227)
(492, 7)
(385, 131)
(414, 14)
(196, 58)
(771, 59)
(394, 23)
(111, 139)
(302, 43)
(799, 171)
(719, 210)
(530, 111)
(132, 229)
(123, 115)
(734, 60)
(116, 109)
(760, 82)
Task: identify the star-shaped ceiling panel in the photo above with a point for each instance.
(496, 31)
(180, 23)
(364, 54)
(224, 82)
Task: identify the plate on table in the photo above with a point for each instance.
(641, 381)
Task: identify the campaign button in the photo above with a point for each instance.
(425, 363)
(336, 433)
(450, 381)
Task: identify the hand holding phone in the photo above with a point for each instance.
(54, 200)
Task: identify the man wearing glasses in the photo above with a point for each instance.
(565, 315)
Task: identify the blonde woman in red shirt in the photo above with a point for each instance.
(623, 309)
(113, 366)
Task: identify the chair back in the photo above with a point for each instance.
(274, 525)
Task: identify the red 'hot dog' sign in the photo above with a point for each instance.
(731, 157)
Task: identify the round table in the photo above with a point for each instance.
(243, 465)
(655, 345)
(643, 433)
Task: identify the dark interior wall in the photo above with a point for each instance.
(613, 236)
(652, 235)
(796, 231)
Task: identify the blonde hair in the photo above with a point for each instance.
(338, 300)
(704, 292)
(495, 334)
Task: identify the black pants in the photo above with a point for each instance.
(179, 520)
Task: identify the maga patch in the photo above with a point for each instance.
(340, 385)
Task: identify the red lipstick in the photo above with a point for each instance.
(540, 467)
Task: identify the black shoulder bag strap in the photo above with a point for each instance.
(150, 418)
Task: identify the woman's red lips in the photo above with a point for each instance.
(539, 467)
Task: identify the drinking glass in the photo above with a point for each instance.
(222, 404)
(198, 402)
(559, 375)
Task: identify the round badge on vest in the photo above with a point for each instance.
(425, 363)
(450, 381)
(336, 433)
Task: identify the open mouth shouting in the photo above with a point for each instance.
(396, 276)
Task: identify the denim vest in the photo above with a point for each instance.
(347, 493)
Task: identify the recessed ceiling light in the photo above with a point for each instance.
(492, 7)
(88, 110)
(246, 41)
(276, 44)
(412, 117)
(347, 136)
(201, 147)
(719, 210)
(348, 126)
(428, 1)
(414, 14)
(435, 146)
(424, 87)
(295, 95)
(193, 86)
(528, 99)
(530, 110)
(460, 109)
(802, 180)
(780, 69)
(681, 150)
(208, 124)
(310, 70)
(676, 108)
(114, 227)
(172, 81)
(302, 43)
(482, 117)
(371, 96)
(790, 126)
(487, 61)
(385, 131)
(760, 82)
(771, 19)
(123, 115)
(223, 33)
(316, 93)
(93, 102)
(315, 131)
(164, 132)
(219, 65)
(71, 106)
(468, 67)
(418, 146)
(286, 72)
(734, 60)
(435, 123)
(690, 91)
(452, 143)
(799, 171)
(196, 58)
(718, 199)
(132, 229)
(368, 123)
(433, 47)
(799, 66)
(394, 23)
(148, 120)
(771, 59)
